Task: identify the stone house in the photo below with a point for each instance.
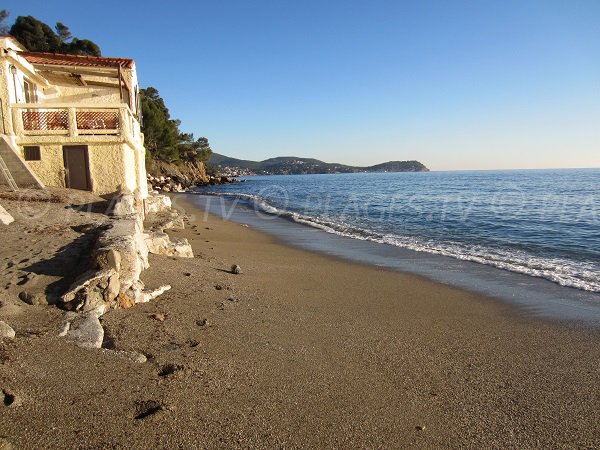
(70, 121)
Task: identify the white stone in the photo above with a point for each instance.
(86, 331)
(159, 243)
(123, 205)
(5, 217)
(157, 203)
(6, 331)
(151, 295)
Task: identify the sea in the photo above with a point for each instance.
(471, 229)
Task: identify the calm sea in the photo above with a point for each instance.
(541, 223)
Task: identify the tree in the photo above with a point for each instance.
(3, 27)
(36, 36)
(63, 32)
(162, 136)
(82, 47)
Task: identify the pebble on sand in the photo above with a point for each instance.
(6, 331)
(159, 316)
(236, 269)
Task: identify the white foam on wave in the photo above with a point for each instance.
(561, 271)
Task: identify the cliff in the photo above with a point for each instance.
(189, 173)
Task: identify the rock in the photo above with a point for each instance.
(151, 295)
(135, 357)
(235, 269)
(159, 243)
(5, 217)
(157, 203)
(172, 347)
(421, 427)
(6, 331)
(124, 301)
(87, 294)
(113, 288)
(10, 399)
(124, 237)
(201, 322)
(159, 316)
(33, 299)
(86, 331)
(123, 205)
(108, 259)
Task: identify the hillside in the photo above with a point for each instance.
(293, 165)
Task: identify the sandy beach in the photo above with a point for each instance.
(300, 350)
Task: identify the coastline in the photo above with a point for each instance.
(305, 350)
(532, 294)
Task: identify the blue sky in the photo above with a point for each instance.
(454, 84)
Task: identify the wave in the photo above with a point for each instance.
(561, 271)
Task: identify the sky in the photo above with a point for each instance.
(455, 84)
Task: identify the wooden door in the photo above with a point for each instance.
(77, 174)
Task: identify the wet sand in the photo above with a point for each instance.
(302, 350)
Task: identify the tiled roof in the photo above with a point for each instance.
(59, 59)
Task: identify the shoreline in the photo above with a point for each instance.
(533, 295)
(302, 350)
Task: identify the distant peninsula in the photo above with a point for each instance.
(292, 165)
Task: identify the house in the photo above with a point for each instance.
(70, 121)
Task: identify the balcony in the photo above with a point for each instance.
(81, 120)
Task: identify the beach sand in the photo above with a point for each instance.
(300, 350)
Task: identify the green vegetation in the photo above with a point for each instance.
(163, 139)
(37, 36)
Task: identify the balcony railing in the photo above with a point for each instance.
(67, 120)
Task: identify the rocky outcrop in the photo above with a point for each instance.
(171, 177)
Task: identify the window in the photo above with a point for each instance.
(30, 90)
(32, 153)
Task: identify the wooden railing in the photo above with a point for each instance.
(68, 120)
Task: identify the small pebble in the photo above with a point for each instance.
(421, 427)
(236, 269)
(201, 322)
(159, 316)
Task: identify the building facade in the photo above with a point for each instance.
(74, 121)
